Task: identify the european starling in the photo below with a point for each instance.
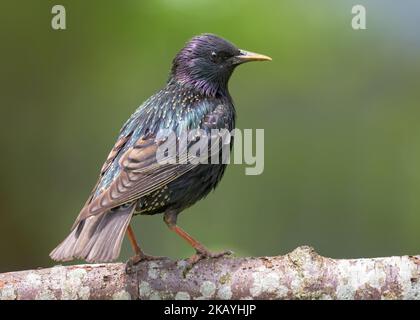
(132, 181)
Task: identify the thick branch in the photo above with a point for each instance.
(301, 274)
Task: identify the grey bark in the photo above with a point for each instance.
(301, 274)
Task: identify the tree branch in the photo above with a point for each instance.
(301, 274)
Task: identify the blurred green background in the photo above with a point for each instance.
(340, 109)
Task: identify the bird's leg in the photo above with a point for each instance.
(139, 254)
(134, 245)
(202, 252)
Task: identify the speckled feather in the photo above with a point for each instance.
(175, 108)
(131, 181)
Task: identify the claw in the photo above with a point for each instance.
(135, 260)
(205, 254)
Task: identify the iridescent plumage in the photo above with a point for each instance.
(131, 180)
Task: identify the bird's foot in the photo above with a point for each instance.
(135, 260)
(203, 253)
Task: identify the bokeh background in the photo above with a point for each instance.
(340, 109)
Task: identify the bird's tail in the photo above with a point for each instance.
(97, 238)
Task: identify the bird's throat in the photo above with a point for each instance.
(207, 86)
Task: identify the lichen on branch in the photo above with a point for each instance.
(301, 274)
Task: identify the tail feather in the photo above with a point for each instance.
(110, 230)
(97, 238)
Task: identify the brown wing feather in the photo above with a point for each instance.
(141, 174)
(114, 152)
(111, 157)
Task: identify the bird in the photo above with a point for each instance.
(132, 181)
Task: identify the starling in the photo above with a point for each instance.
(132, 181)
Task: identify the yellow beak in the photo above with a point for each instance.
(246, 56)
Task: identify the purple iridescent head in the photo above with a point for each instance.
(207, 62)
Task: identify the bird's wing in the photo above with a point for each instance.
(122, 140)
(140, 173)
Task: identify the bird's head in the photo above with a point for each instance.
(207, 62)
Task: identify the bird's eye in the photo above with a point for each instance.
(219, 57)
